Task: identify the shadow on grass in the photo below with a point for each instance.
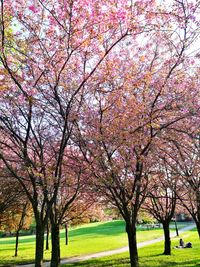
(12, 241)
(107, 228)
(120, 262)
(124, 262)
(169, 263)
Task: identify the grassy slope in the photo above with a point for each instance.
(151, 256)
(82, 240)
(85, 239)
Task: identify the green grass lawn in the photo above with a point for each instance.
(151, 256)
(84, 239)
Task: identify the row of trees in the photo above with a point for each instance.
(91, 94)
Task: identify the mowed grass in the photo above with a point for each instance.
(151, 256)
(86, 239)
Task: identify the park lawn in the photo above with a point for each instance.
(86, 239)
(151, 256)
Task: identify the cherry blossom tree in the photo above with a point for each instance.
(49, 52)
(73, 192)
(18, 217)
(183, 159)
(133, 105)
(15, 210)
(117, 66)
(10, 194)
(162, 198)
(118, 141)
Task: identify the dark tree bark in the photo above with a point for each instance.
(16, 243)
(197, 222)
(177, 233)
(47, 237)
(21, 223)
(55, 238)
(66, 234)
(131, 232)
(198, 228)
(39, 251)
(167, 250)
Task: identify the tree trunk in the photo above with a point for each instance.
(167, 250)
(131, 232)
(66, 234)
(177, 233)
(198, 227)
(55, 239)
(47, 237)
(39, 251)
(21, 223)
(16, 243)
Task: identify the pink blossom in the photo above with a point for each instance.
(33, 9)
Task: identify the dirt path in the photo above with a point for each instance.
(111, 252)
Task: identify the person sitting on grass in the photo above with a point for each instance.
(181, 244)
(188, 245)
